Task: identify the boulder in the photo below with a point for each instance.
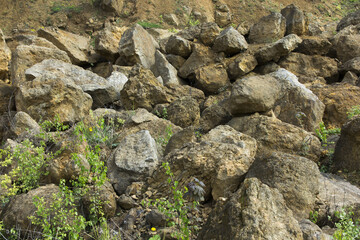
(115, 6)
(209, 31)
(269, 29)
(101, 91)
(351, 19)
(347, 151)
(281, 48)
(211, 78)
(26, 56)
(137, 46)
(223, 15)
(6, 97)
(253, 94)
(46, 97)
(190, 33)
(5, 57)
(352, 65)
(117, 80)
(31, 40)
(175, 91)
(255, 211)
(298, 105)
(74, 45)
(220, 161)
(181, 138)
(348, 47)
(314, 45)
(175, 60)
(338, 99)
(311, 66)
(184, 112)
(164, 69)
(22, 122)
(240, 65)
(213, 116)
(294, 176)
(178, 46)
(350, 78)
(230, 41)
(107, 42)
(272, 134)
(296, 21)
(311, 231)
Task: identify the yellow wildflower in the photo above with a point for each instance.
(153, 229)
(90, 129)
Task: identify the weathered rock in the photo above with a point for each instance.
(338, 99)
(240, 65)
(176, 91)
(181, 138)
(269, 29)
(184, 112)
(347, 154)
(115, 6)
(151, 91)
(171, 19)
(311, 231)
(267, 68)
(294, 176)
(350, 78)
(200, 56)
(164, 69)
(219, 162)
(126, 202)
(272, 134)
(298, 105)
(316, 45)
(209, 31)
(26, 56)
(230, 41)
(280, 48)
(178, 46)
(296, 21)
(5, 57)
(101, 91)
(75, 46)
(350, 19)
(46, 97)
(352, 65)
(254, 94)
(22, 122)
(255, 211)
(107, 42)
(6, 97)
(175, 60)
(213, 116)
(348, 47)
(211, 78)
(223, 15)
(117, 80)
(31, 40)
(156, 218)
(137, 46)
(311, 66)
(190, 33)
(21, 207)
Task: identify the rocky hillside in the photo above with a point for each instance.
(189, 124)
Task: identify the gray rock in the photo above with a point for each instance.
(156, 218)
(22, 122)
(311, 231)
(115, 6)
(350, 19)
(350, 78)
(230, 41)
(269, 29)
(184, 112)
(213, 116)
(178, 46)
(348, 47)
(117, 80)
(223, 15)
(164, 69)
(352, 65)
(296, 21)
(126, 202)
(316, 45)
(175, 60)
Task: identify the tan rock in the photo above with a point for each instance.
(269, 29)
(209, 31)
(184, 112)
(240, 65)
(296, 21)
(211, 78)
(5, 57)
(107, 42)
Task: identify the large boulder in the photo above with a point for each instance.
(311, 66)
(275, 135)
(274, 51)
(107, 42)
(221, 160)
(101, 91)
(46, 97)
(269, 29)
(5, 57)
(26, 56)
(296, 21)
(350, 19)
(137, 46)
(347, 151)
(230, 41)
(74, 45)
(255, 211)
(211, 78)
(338, 99)
(294, 176)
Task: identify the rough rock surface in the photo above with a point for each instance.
(314, 45)
(6, 97)
(5, 57)
(255, 211)
(184, 112)
(348, 47)
(240, 65)
(352, 65)
(178, 46)
(296, 21)
(164, 69)
(230, 41)
(22, 122)
(209, 31)
(351, 19)
(211, 78)
(107, 42)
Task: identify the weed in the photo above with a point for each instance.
(353, 112)
(172, 30)
(314, 216)
(164, 113)
(347, 228)
(164, 140)
(192, 21)
(146, 24)
(323, 133)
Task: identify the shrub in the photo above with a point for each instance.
(323, 133)
(347, 228)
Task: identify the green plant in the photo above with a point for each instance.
(164, 113)
(347, 228)
(146, 24)
(314, 216)
(164, 140)
(192, 21)
(323, 133)
(353, 112)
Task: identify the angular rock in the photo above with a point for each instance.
(26, 56)
(240, 65)
(269, 29)
(117, 80)
(350, 78)
(350, 19)
(223, 15)
(348, 47)
(296, 21)
(175, 60)
(209, 31)
(230, 41)
(5, 57)
(107, 42)
(75, 46)
(338, 99)
(137, 46)
(46, 97)
(176, 91)
(311, 66)
(171, 19)
(32, 40)
(352, 65)
(126, 202)
(211, 78)
(280, 48)
(181, 138)
(101, 91)
(184, 112)
(178, 46)
(213, 116)
(164, 69)
(253, 94)
(294, 176)
(22, 122)
(314, 45)
(255, 211)
(272, 134)
(311, 231)
(199, 57)
(190, 33)
(6, 97)
(115, 6)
